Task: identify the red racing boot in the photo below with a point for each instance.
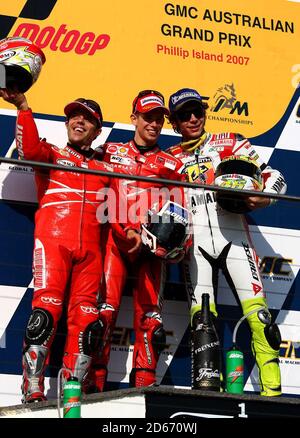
(33, 362)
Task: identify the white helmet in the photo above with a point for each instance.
(23, 61)
(241, 173)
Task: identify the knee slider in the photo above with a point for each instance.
(39, 327)
(92, 337)
(273, 336)
(271, 330)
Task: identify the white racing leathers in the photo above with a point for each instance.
(222, 242)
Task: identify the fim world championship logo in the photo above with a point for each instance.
(227, 108)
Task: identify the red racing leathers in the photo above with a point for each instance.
(66, 255)
(148, 270)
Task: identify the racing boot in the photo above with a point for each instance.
(95, 380)
(140, 377)
(150, 341)
(265, 345)
(33, 362)
(76, 365)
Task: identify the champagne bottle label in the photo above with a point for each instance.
(206, 357)
(206, 360)
(72, 396)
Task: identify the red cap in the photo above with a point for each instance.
(87, 104)
(148, 101)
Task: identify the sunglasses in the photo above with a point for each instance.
(185, 115)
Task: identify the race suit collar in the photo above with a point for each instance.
(191, 145)
(85, 152)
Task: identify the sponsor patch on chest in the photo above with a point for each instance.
(166, 162)
(201, 171)
(114, 149)
(120, 160)
(62, 162)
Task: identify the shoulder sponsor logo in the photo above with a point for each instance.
(114, 149)
(220, 144)
(170, 164)
(64, 152)
(166, 162)
(122, 150)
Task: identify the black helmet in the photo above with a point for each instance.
(166, 231)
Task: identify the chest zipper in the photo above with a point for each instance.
(82, 206)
